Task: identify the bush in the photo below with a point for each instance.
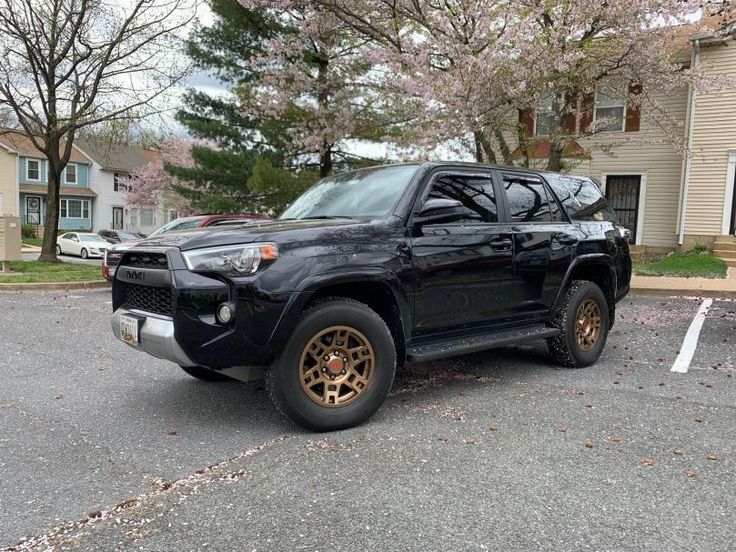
(28, 231)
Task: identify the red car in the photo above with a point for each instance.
(113, 254)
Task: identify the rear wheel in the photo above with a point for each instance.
(84, 253)
(337, 368)
(205, 374)
(583, 321)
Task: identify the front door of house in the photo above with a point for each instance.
(622, 192)
(117, 218)
(33, 210)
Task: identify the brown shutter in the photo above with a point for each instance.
(587, 105)
(526, 120)
(633, 112)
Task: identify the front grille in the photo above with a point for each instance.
(146, 260)
(158, 300)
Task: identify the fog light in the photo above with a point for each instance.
(224, 313)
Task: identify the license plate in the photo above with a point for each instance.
(129, 330)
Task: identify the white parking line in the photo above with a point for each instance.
(690, 343)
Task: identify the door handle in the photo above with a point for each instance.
(500, 244)
(565, 239)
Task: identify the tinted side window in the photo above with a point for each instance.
(581, 198)
(528, 200)
(474, 191)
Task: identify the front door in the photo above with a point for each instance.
(622, 192)
(33, 210)
(463, 267)
(117, 218)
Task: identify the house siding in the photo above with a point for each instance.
(82, 173)
(712, 140)
(651, 153)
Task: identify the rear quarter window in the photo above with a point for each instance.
(581, 198)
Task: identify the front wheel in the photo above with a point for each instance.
(205, 374)
(583, 320)
(337, 368)
(84, 253)
(58, 249)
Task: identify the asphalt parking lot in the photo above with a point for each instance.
(105, 448)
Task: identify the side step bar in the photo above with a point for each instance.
(433, 350)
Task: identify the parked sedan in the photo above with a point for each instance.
(119, 236)
(83, 244)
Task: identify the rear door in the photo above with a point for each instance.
(463, 267)
(544, 242)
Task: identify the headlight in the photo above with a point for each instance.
(235, 260)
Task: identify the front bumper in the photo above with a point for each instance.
(156, 336)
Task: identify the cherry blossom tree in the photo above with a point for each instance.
(476, 69)
(151, 186)
(316, 80)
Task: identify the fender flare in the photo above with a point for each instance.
(588, 260)
(313, 284)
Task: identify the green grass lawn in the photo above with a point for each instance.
(33, 241)
(691, 264)
(41, 271)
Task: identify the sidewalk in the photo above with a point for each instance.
(706, 287)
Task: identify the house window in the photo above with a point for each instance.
(117, 183)
(33, 169)
(70, 174)
(610, 110)
(145, 217)
(544, 123)
(173, 215)
(75, 208)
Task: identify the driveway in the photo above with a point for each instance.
(103, 447)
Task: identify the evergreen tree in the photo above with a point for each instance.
(231, 142)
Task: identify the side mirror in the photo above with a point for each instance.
(440, 210)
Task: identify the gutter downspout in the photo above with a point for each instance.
(688, 160)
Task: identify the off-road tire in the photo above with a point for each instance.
(58, 249)
(205, 374)
(283, 377)
(84, 253)
(564, 348)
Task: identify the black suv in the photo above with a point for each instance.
(374, 267)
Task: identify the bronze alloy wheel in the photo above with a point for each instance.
(336, 366)
(588, 324)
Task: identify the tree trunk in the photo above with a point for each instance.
(503, 146)
(554, 162)
(51, 224)
(483, 149)
(523, 146)
(325, 162)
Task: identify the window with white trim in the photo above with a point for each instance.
(70, 174)
(117, 184)
(544, 120)
(33, 170)
(611, 110)
(145, 217)
(75, 208)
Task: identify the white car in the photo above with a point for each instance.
(84, 244)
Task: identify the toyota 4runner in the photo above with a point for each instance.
(371, 268)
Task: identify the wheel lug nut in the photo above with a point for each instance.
(327, 358)
(344, 359)
(343, 371)
(332, 377)
(324, 369)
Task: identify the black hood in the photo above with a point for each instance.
(278, 231)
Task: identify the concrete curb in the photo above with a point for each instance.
(55, 286)
(688, 292)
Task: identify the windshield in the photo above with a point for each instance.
(91, 238)
(364, 193)
(176, 225)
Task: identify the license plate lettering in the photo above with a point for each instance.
(129, 330)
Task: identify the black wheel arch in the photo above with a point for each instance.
(378, 289)
(597, 268)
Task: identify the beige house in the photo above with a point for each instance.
(667, 198)
(9, 199)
